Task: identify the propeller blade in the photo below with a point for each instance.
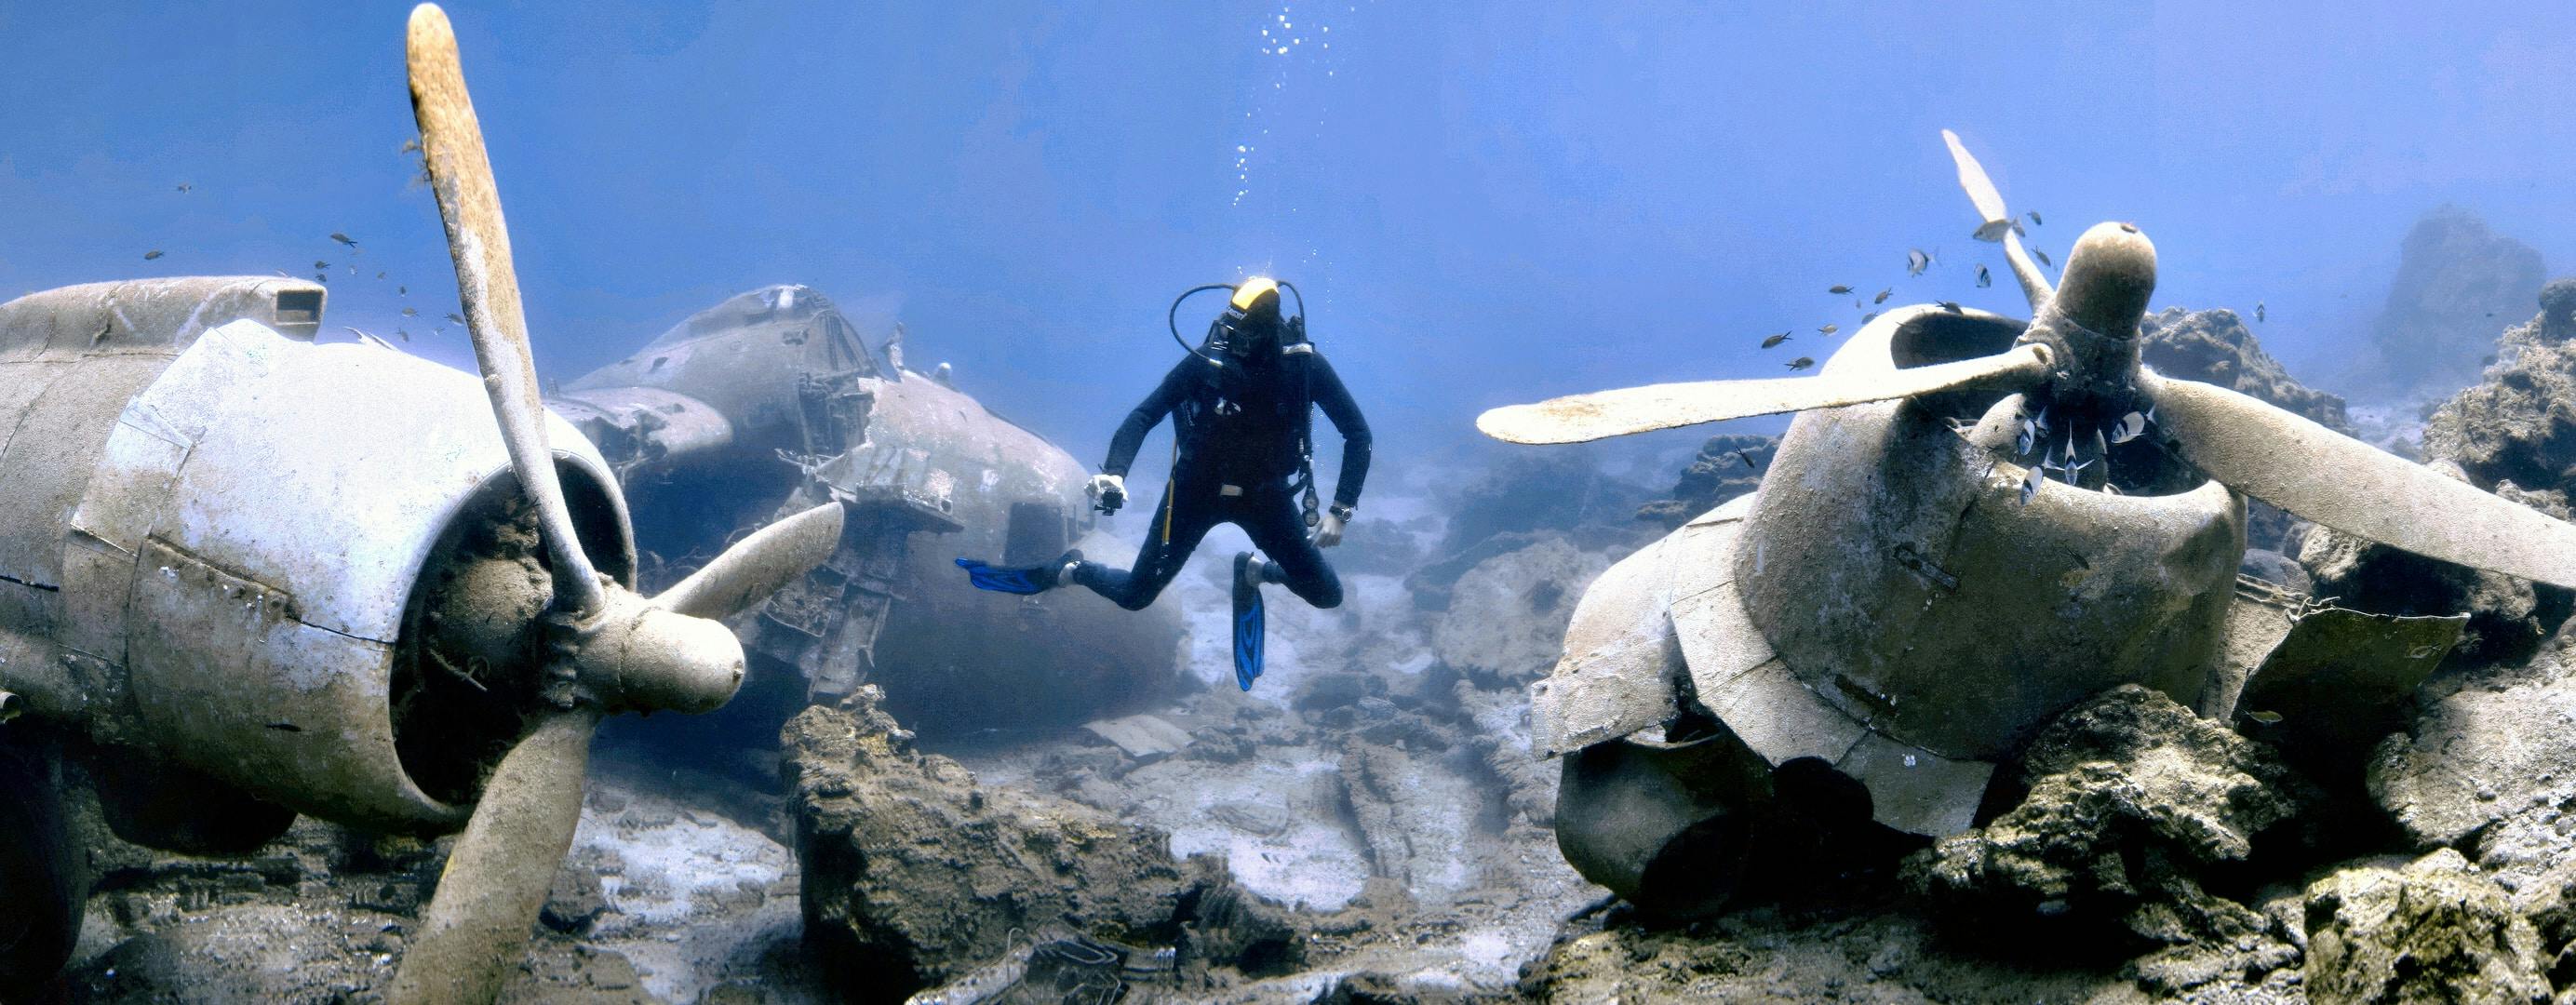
(475, 929)
(451, 142)
(1585, 417)
(757, 566)
(1997, 221)
(2286, 460)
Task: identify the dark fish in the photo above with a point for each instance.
(402, 291)
(1801, 363)
(1829, 329)
(344, 239)
(1916, 261)
(2043, 257)
(410, 313)
(2131, 427)
(319, 265)
(1882, 295)
(1839, 289)
(1953, 307)
(184, 186)
(1747, 459)
(1869, 317)
(152, 254)
(322, 277)
(285, 727)
(1775, 340)
(380, 275)
(453, 317)
(406, 336)
(1984, 279)
(2258, 312)
(410, 146)
(2035, 221)
(2030, 483)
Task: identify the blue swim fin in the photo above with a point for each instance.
(1248, 621)
(1022, 580)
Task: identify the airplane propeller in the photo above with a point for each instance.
(2091, 322)
(623, 651)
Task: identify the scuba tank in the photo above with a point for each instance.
(1218, 350)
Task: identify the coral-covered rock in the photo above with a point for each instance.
(2131, 798)
(1728, 465)
(914, 874)
(2434, 930)
(2478, 755)
(1507, 616)
(2215, 347)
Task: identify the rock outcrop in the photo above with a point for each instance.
(2508, 617)
(2215, 347)
(2132, 800)
(915, 875)
(1728, 465)
(2455, 278)
(2433, 930)
(1507, 616)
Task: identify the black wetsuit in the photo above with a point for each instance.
(1238, 425)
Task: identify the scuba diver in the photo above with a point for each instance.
(1242, 440)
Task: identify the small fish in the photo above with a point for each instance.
(2041, 420)
(1994, 230)
(410, 313)
(1882, 295)
(2022, 440)
(380, 275)
(2043, 257)
(1747, 459)
(2035, 221)
(185, 186)
(1829, 329)
(285, 727)
(1775, 340)
(1839, 289)
(452, 317)
(2030, 483)
(2131, 427)
(2265, 718)
(1953, 307)
(319, 265)
(406, 336)
(2100, 450)
(410, 146)
(1984, 278)
(402, 291)
(1801, 363)
(344, 239)
(2258, 312)
(1869, 317)
(1916, 261)
(152, 254)
(322, 277)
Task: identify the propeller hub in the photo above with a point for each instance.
(640, 657)
(2109, 277)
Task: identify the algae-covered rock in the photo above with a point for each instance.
(1728, 465)
(2434, 930)
(2131, 799)
(914, 874)
(2519, 423)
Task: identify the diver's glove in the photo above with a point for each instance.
(1108, 492)
(1329, 532)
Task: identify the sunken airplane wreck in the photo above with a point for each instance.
(224, 603)
(1973, 523)
(771, 402)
